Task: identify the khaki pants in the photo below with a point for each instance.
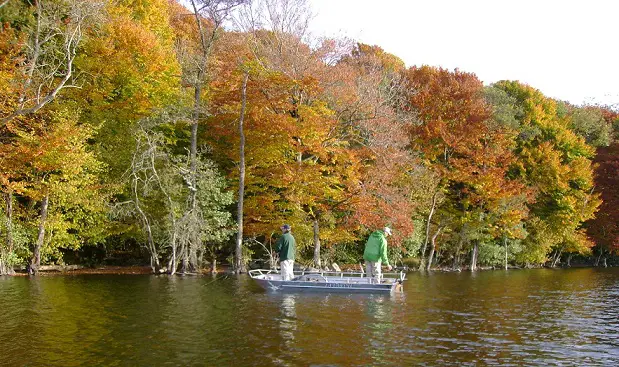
(287, 269)
(373, 271)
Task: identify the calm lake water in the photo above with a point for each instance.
(515, 318)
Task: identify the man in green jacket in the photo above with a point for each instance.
(285, 247)
(376, 253)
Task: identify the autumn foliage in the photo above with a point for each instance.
(139, 146)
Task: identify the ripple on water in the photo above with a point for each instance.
(520, 318)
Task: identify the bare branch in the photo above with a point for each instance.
(51, 51)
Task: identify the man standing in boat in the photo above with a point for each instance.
(286, 247)
(376, 253)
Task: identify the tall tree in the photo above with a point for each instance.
(195, 58)
(48, 164)
(471, 155)
(158, 178)
(128, 69)
(316, 161)
(555, 162)
(604, 229)
(372, 113)
(238, 250)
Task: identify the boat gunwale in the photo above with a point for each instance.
(338, 281)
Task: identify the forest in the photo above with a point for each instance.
(183, 135)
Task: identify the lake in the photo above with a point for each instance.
(537, 317)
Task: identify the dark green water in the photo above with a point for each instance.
(515, 318)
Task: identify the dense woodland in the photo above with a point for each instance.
(183, 136)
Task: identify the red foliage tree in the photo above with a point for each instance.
(604, 229)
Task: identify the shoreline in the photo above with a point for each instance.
(69, 270)
(82, 270)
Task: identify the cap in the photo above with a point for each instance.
(285, 227)
(387, 231)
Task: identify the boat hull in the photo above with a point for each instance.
(320, 283)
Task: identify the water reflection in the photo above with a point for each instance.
(288, 321)
(518, 318)
(378, 311)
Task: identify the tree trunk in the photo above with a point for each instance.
(152, 250)
(193, 149)
(197, 102)
(189, 264)
(239, 263)
(172, 264)
(456, 263)
(505, 244)
(425, 242)
(188, 249)
(556, 258)
(9, 220)
(272, 254)
(184, 258)
(437, 256)
(569, 260)
(317, 262)
(433, 248)
(214, 265)
(6, 268)
(597, 261)
(36, 256)
(474, 257)
(154, 265)
(189, 255)
(4, 259)
(193, 255)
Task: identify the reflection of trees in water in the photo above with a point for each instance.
(288, 320)
(286, 324)
(379, 311)
(58, 318)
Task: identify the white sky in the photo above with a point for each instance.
(567, 49)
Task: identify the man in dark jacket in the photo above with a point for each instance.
(376, 253)
(285, 247)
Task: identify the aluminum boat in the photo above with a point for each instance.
(349, 282)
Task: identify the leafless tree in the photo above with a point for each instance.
(175, 237)
(209, 16)
(143, 176)
(280, 37)
(147, 182)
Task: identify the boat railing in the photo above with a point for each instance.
(342, 274)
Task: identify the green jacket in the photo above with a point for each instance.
(285, 247)
(376, 248)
